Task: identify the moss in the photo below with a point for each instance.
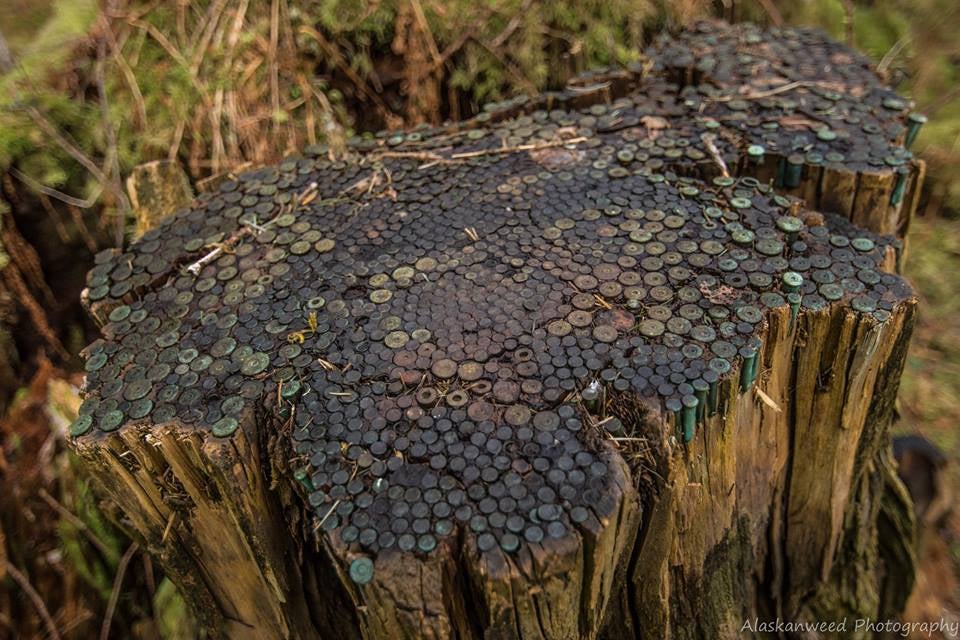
(171, 613)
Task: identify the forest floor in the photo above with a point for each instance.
(930, 390)
(929, 400)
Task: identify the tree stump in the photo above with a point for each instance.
(156, 189)
(580, 367)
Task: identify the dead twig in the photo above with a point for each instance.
(790, 86)
(112, 164)
(512, 26)
(35, 598)
(82, 227)
(425, 156)
(71, 149)
(177, 139)
(421, 18)
(523, 147)
(57, 219)
(53, 193)
(217, 251)
(203, 35)
(272, 56)
(76, 522)
(115, 592)
(167, 529)
(891, 55)
(326, 364)
(600, 423)
(767, 400)
(128, 75)
(326, 515)
(708, 142)
(511, 68)
(431, 158)
(174, 53)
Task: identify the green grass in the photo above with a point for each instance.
(930, 389)
(929, 399)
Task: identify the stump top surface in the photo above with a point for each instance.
(443, 319)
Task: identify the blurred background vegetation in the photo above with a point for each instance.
(90, 89)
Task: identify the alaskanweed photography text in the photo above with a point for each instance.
(943, 627)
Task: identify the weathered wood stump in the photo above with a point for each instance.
(580, 367)
(155, 189)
